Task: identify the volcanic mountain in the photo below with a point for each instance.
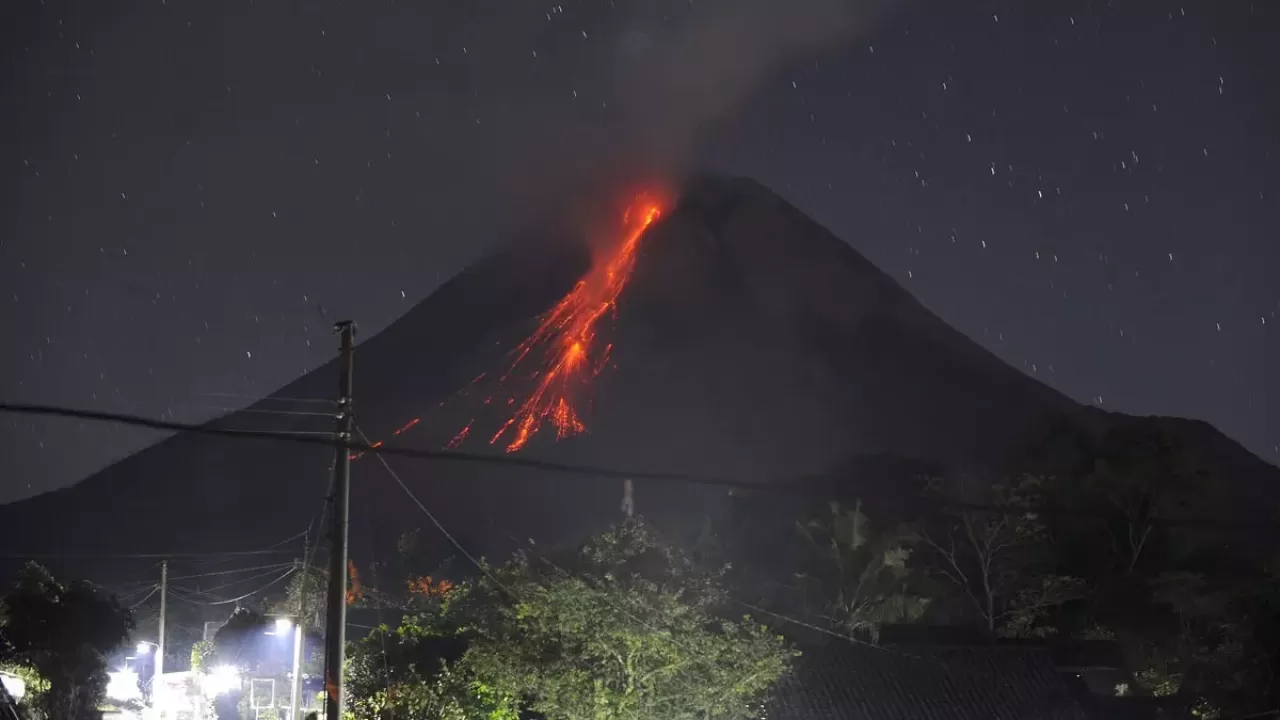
(724, 334)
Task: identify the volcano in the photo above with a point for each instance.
(722, 333)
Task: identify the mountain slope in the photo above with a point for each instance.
(750, 343)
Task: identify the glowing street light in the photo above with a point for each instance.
(282, 627)
(144, 647)
(222, 679)
(123, 685)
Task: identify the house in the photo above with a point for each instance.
(1107, 690)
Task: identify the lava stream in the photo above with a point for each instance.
(565, 339)
(568, 332)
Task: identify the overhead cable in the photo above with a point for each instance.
(790, 486)
(439, 526)
(286, 574)
(154, 590)
(450, 455)
(135, 556)
(258, 398)
(269, 568)
(274, 569)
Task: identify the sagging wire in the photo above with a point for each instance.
(286, 574)
(439, 526)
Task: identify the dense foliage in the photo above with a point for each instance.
(989, 545)
(862, 580)
(1118, 544)
(62, 634)
(1098, 539)
(625, 628)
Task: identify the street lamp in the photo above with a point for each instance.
(282, 625)
(144, 647)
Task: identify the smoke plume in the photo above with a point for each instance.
(678, 84)
(673, 72)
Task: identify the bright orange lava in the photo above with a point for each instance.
(565, 337)
(568, 331)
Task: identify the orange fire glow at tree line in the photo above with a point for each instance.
(568, 331)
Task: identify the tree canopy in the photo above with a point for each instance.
(1089, 543)
(861, 580)
(64, 634)
(627, 627)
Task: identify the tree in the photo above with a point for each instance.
(1135, 481)
(1213, 653)
(413, 670)
(988, 543)
(201, 656)
(237, 642)
(307, 589)
(307, 592)
(625, 628)
(64, 633)
(861, 581)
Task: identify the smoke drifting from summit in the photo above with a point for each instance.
(672, 71)
(676, 84)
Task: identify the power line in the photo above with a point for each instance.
(290, 539)
(258, 398)
(268, 568)
(825, 631)
(791, 488)
(191, 591)
(286, 574)
(450, 455)
(283, 432)
(241, 581)
(324, 511)
(439, 526)
(222, 562)
(207, 556)
(154, 590)
(266, 411)
(134, 556)
(380, 450)
(127, 587)
(125, 596)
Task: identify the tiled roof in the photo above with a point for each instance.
(845, 681)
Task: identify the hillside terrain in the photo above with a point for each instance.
(750, 343)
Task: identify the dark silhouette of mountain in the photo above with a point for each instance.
(751, 343)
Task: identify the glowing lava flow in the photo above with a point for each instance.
(565, 336)
(568, 331)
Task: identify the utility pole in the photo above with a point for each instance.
(300, 632)
(336, 619)
(164, 592)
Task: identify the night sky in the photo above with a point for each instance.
(193, 190)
